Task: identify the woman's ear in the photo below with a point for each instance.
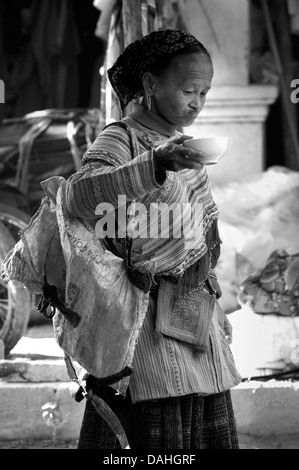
(148, 82)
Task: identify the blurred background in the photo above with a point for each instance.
(53, 60)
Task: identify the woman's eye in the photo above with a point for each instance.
(187, 92)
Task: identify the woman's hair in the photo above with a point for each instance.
(163, 62)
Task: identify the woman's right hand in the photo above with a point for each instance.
(174, 156)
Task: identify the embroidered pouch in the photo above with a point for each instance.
(186, 318)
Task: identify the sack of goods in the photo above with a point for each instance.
(274, 289)
(97, 312)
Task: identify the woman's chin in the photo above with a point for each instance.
(188, 121)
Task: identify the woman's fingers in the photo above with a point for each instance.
(178, 160)
(173, 156)
(181, 139)
(225, 324)
(190, 156)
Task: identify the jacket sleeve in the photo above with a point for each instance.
(110, 168)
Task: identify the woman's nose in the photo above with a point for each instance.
(196, 103)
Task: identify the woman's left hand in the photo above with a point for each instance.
(225, 324)
(228, 330)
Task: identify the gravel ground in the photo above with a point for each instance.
(246, 442)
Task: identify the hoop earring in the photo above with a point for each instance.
(149, 101)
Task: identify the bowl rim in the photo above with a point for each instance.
(207, 138)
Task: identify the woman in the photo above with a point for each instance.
(183, 369)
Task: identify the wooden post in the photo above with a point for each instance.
(281, 47)
(131, 14)
(2, 62)
(2, 350)
(131, 17)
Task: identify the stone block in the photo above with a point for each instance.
(27, 370)
(21, 412)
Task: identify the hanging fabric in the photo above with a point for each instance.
(293, 9)
(143, 17)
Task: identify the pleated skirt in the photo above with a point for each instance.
(188, 422)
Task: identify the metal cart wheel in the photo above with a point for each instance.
(15, 300)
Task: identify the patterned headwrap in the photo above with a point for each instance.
(126, 74)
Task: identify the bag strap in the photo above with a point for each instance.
(143, 281)
(100, 405)
(49, 297)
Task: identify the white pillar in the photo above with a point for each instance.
(238, 112)
(234, 107)
(223, 27)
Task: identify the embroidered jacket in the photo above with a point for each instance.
(118, 169)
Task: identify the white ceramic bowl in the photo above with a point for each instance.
(211, 148)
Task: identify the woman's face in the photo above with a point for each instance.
(180, 94)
